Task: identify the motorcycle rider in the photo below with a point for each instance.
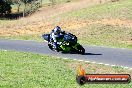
(56, 33)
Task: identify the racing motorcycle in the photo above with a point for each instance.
(67, 43)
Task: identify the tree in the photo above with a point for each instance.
(32, 2)
(5, 7)
(41, 2)
(25, 3)
(18, 3)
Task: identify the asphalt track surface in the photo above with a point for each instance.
(105, 55)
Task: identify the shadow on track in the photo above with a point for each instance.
(80, 54)
(91, 54)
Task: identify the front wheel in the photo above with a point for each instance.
(50, 46)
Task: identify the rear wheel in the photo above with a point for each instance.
(80, 50)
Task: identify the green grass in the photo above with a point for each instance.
(27, 70)
(24, 37)
(4, 22)
(106, 35)
(122, 10)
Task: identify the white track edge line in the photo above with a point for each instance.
(125, 67)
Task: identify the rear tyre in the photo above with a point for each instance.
(81, 50)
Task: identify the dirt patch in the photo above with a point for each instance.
(116, 22)
(46, 13)
(68, 25)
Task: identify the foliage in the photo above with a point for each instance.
(5, 7)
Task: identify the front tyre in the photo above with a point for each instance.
(50, 46)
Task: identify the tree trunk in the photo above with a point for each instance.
(18, 9)
(24, 10)
(41, 3)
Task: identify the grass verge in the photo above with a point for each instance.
(24, 37)
(27, 70)
(120, 10)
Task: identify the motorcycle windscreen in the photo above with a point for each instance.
(46, 37)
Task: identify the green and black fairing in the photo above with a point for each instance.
(68, 40)
(68, 43)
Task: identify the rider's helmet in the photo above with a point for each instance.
(57, 30)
